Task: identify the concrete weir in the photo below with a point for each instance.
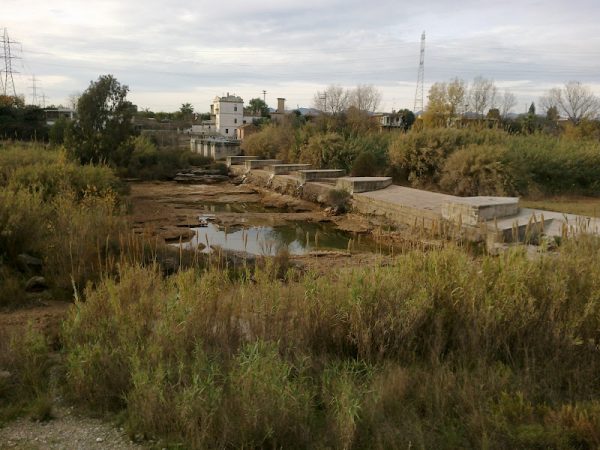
(363, 184)
(239, 160)
(491, 219)
(321, 174)
(259, 163)
(473, 210)
(279, 169)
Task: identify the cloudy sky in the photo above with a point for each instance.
(178, 51)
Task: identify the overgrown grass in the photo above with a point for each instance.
(440, 350)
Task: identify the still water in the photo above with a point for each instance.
(298, 237)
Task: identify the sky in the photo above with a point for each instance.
(174, 52)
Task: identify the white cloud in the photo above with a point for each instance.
(193, 51)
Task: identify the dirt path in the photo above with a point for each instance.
(66, 431)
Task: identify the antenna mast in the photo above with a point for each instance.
(420, 78)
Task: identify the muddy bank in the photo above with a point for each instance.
(168, 210)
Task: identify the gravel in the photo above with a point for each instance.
(66, 431)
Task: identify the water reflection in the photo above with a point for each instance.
(298, 237)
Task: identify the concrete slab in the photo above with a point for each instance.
(239, 160)
(319, 174)
(414, 198)
(257, 163)
(473, 210)
(279, 169)
(363, 184)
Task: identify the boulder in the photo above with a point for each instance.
(36, 284)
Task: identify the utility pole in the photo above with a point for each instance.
(8, 82)
(420, 78)
(265, 96)
(43, 100)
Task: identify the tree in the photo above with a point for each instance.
(482, 95)
(364, 97)
(258, 106)
(104, 125)
(456, 92)
(531, 111)
(437, 110)
(334, 99)
(507, 103)
(552, 114)
(575, 100)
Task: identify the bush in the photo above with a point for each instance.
(365, 165)
(148, 162)
(419, 156)
(479, 170)
(421, 351)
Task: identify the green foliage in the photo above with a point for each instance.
(25, 364)
(104, 126)
(271, 141)
(421, 352)
(64, 213)
(479, 170)
(326, 151)
(365, 165)
(418, 156)
(58, 131)
(148, 162)
(21, 122)
(257, 106)
(468, 161)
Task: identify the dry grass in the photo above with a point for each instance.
(585, 206)
(440, 350)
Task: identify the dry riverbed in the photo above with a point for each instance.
(169, 211)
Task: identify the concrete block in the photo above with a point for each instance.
(278, 169)
(313, 175)
(473, 210)
(363, 184)
(258, 163)
(239, 160)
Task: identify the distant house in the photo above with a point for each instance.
(388, 121)
(246, 130)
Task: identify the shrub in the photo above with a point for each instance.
(420, 155)
(479, 170)
(338, 198)
(365, 165)
(148, 162)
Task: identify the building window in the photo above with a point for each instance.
(235, 108)
(234, 120)
(226, 130)
(244, 122)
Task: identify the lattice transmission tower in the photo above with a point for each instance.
(7, 82)
(420, 78)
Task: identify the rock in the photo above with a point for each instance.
(36, 284)
(28, 262)
(5, 374)
(99, 440)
